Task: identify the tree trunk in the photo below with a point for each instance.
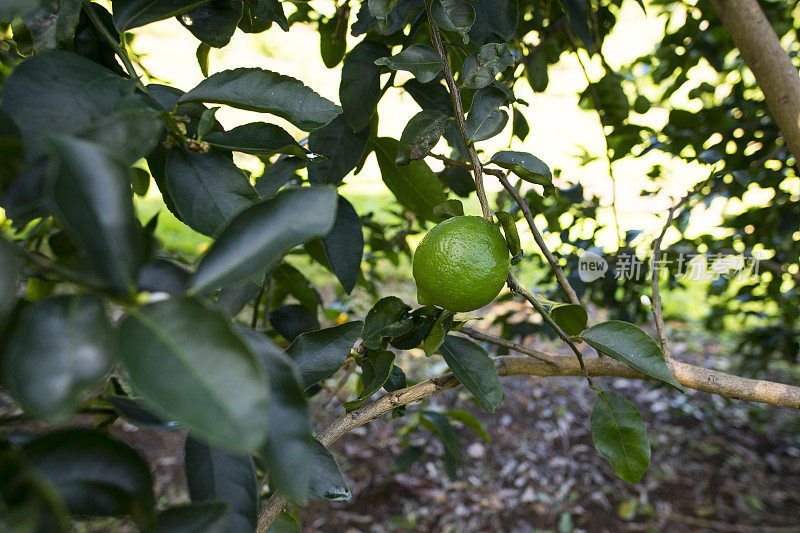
(763, 54)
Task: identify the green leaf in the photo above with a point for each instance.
(214, 22)
(68, 15)
(289, 449)
(519, 125)
(536, 72)
(319, 354)
(449, 209)
(360, 90)
(380, 10)
(59, 348)
(264, 91)
(511, 234)
(333, 38)
(459, 180)
(209, 517)
(631, 345)
(436, 335)
(455, 15)
(420, 135)
(140, 181)
(129, 134)
(387, 318)
(396, 380)
(214, 474)
(202, 58)
(495, 20)
(474, 369)
(277, 175)
(415, 185)
(485, 118)
(92, 196)
(471, 422)
(129, 14)
(571, 318)
(257, 138)
(95, 475)
(207, 188)
(257, 237)
(327, 481)
(285, 522)
(342, 148)
(406, 459)
(619, 435)
(444, 430)
(527, 166)
(419, 59)
(431, 95)
(291, 281)
(292, 320)
(576, 11)
(481, 70)
(344, 245)
(259, 15)
(191, 367)
(10, 267)
(376, 367)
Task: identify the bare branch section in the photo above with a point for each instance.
(693, 377)
(762, 52)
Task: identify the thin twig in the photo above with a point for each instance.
(103, 31)
(499, 341)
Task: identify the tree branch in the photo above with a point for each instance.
(693, 377)
(762, 52)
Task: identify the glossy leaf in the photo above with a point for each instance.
(289, 449)
(396, 380)
(327, 481)
(257, 138)
(264, 91)
(380, 10)
(419, 59)
(129, 14)
(481, 70)
(578, 20)
(333, 39)
(277, 175)
(436, 335)
(360, 89)
(208, 517)
(95, 475)
(191, 367)
(59, 348)
(571, 318)
(207, 188)
(528, 167)
(289, 280)
(256, 239)
(213, 22)
(420, 135)
(474, 369)
(448, 209)
(91, 192)
(631, 345)
(485, 118)
(619, 435)
(376, 367)
(385, 319)
(344, 245)
(319, 354)
(342, 148)
(414, 185)
(455, 15)
(213, 474)
(511, 235)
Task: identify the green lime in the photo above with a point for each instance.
(461, 264)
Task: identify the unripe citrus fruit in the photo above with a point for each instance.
(461, 264)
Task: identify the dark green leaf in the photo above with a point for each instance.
(380, 10)
(528, 167)
(449, 209)
(215, 474)
(213, 22)
(265, 91)
(471, 422)
(376, 367)
(208, 123)
(414, 185)
(289, 449)
(95, 475)
(631, 345)
(396, 380)
(387, 318)
(459, 180)
(258, 138)
(130, 14)
(342, 148)
(319, 354)
(202, 58)
(333, 38)
(619, 435)
(570, 317)
(447, 434)
(259, 15)
(455, 15)
(481, 70)
(431, 95)
(344, 245)
(129, 134)
(277, 175)
(485, 118)
(578, 20)
(207, 188)
(536, 72)
(511, 234)
(162, 275)
(420, 135)
(495, 21)
(256, 238)
(140, 181)
(292, 281)
(192, 368)
(360, 89)
(59, 348)
(10, 265)
(292, 320)
(519, 125)
(419, 59)
(406, 459)
(474, 369)
(91, 192)
(206, 517)
(327, 481)
(133, 412)
(68, 14)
